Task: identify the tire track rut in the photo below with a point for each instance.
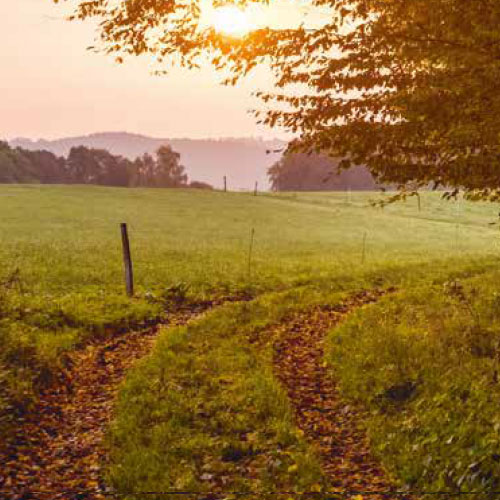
(329, 424)
(56, 451)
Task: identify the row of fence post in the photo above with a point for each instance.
(127, 258)
(255, 190)
(129, 272)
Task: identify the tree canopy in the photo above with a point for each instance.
(409, 88)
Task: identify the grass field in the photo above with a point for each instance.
(61, 282)
(65, 240)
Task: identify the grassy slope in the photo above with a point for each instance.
(204, 412)
(207, 387)
(425, 364)
(65, 242)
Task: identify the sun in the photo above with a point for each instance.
(231, 21)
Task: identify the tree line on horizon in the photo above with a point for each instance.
(318, 172)
(85, 165)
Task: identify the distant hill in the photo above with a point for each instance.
(243, 161)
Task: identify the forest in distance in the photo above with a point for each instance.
(98, 166)
(85, 165)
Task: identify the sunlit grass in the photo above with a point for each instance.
(425, 364)
(62, 283)
(65, 239)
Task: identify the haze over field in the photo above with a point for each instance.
(243, 160)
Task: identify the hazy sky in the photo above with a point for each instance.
(50, 86)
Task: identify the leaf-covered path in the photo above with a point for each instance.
(329, 424)
(56, 452)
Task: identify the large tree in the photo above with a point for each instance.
(409, 88)
(317, 172)
(169, 172)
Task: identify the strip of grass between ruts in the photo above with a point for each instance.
(204, 412)
(35, 332)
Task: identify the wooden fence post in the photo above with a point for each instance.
(255, 190)
(363, 252)
(127, 261)
(250, 250)
(225, 184)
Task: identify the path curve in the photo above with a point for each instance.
(328, 423)
(56, 452)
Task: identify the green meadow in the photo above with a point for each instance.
(61, 284)
(65, 240)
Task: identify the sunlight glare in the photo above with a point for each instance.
(232, 21)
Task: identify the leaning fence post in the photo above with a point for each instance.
(127, 261)
(250, 250)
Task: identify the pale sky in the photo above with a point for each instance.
(51, 86)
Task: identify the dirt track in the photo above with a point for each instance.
(56, 452)
(331, 426)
